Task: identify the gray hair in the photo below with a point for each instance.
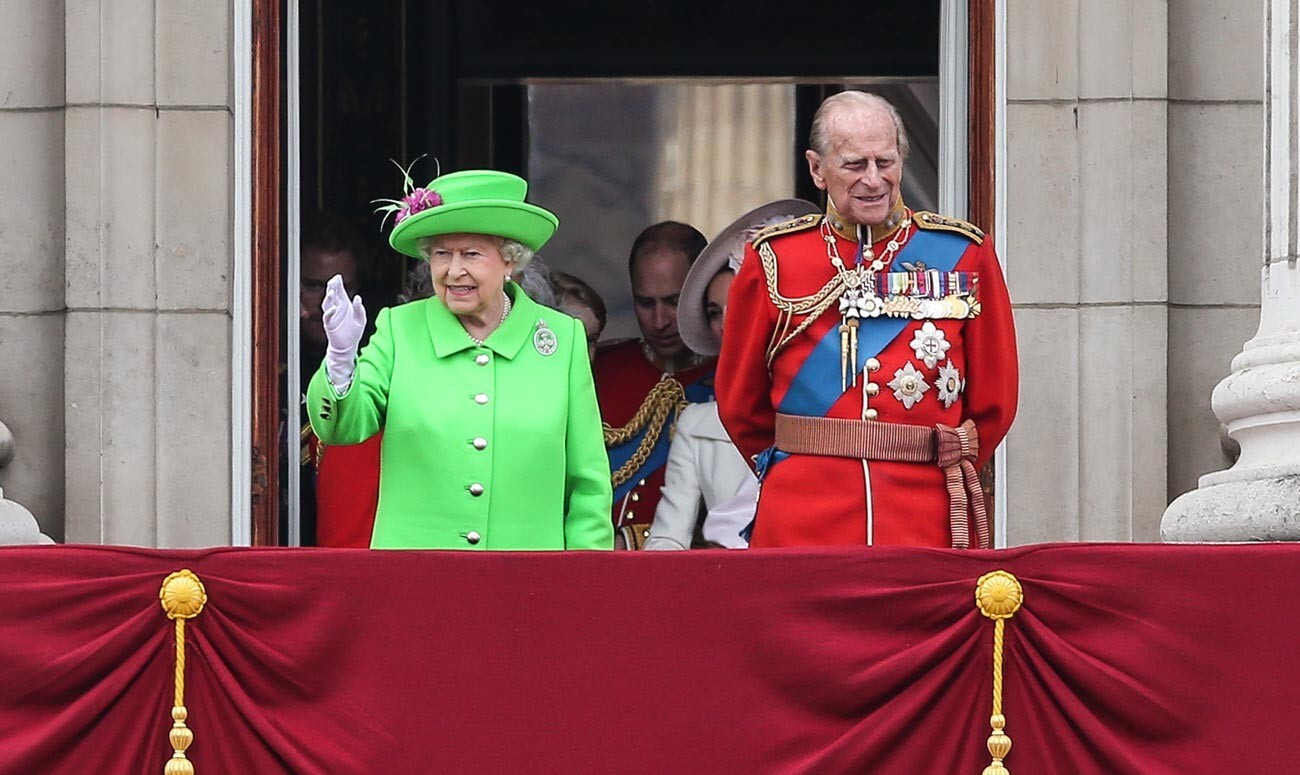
(855, 99)
(535, 279)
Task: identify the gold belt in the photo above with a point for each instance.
(953, 449)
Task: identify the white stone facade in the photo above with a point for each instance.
(116, 131)
(1134, 203)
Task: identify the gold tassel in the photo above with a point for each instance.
(998, 595)
(182, 597)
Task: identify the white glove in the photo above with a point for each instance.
(344, 323)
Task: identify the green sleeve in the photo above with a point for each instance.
(358, 414)
(588, 494)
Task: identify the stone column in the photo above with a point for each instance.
(1259, 497)
(147, 350)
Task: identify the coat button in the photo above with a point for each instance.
(473, 537)
(481, 399)
(480, 443)
(476, 489)
(482, 360)
(873, 364)
(872, 388)
(871, 414)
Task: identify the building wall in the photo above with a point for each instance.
(116, 316)
(1134, 140)
(1216, 206)
(1085, 252)
(32, 310)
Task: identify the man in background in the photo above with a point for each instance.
(641, 384)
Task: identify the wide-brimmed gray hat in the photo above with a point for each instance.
(725, 250)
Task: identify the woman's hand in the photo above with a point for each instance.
(345, 321)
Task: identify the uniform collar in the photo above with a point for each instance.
(450, 337)
(849, 232)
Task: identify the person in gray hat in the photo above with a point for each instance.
(705, 471)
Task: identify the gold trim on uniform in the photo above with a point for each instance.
(936, 222)
(657, 412)
(877, 233)
(786, 227)
(952, 307)
(811, 307)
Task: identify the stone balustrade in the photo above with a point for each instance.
(17, 525)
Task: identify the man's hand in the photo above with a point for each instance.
(344, 321)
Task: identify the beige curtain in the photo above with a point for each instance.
(726, 149)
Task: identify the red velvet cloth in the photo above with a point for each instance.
(1125, 659)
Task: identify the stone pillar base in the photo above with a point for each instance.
(18, 526)
(1258, 499)
(1245, 510)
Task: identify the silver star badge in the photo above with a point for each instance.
(930, 344)
(909, 385)
(950, 384)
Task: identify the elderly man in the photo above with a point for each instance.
(641, 384)
(874, 368)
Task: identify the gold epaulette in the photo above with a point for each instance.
(788, 227)
(936, 222)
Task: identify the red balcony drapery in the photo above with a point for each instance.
(1124, 659)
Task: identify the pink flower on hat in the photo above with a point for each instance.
(417, 201)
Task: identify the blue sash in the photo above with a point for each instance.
(699, 391)
(816, 387)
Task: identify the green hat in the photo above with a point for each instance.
(471, 202)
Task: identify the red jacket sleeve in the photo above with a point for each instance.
(743, 383)
(347, 494)
(992, 365)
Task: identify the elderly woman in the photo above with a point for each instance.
(492, 437)
(705, 471)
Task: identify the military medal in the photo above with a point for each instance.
(909, 385)
(860, 295)
(544, 339)
(950, 384)
(930, 344)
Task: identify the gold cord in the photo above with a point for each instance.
(787, 307)
(182, 597)
(998, 595)
(667, 397)
(179, 696)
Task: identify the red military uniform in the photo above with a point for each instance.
(347, 493)
(626, 381)
(942, 351)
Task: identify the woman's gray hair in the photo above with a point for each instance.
(535, 279)
(848, 100)
(516, 253)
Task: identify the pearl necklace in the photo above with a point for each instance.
(505, 310)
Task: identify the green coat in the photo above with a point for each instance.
(485, 447)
